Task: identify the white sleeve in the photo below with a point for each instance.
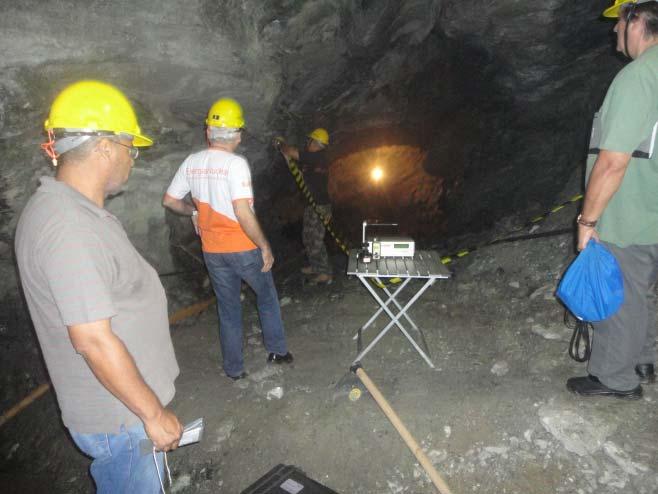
(179, 186)
(239, 179)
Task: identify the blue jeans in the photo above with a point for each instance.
(226, 272)
(119, 465)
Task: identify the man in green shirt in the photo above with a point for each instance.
(621, 207)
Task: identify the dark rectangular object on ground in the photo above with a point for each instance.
(286, 479)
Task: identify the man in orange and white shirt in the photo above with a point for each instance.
(233, 243)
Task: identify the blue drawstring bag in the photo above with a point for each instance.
(593, 286)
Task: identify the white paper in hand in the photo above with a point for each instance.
(192, 433)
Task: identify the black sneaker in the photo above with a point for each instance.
(280, 359)
(591, 386)
(242, 375)
(646, 373)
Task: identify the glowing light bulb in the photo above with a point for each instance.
(377, 174)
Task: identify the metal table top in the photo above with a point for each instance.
(424, 264)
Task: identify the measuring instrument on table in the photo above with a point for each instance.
(375, 248)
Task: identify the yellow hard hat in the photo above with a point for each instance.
(613, 11)
(320, 135)
(95, 106)
(225, 112)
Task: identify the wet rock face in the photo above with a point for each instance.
(494, 97)
(497, 95)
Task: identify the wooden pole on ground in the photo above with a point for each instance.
(415, 448)
(190, 311)
(18, 408)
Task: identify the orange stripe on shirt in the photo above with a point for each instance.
(220, 234)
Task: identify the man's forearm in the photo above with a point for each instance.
(249, 223)
(290, 152)
(179, 206)
(606, 177)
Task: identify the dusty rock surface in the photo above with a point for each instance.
(493, 416)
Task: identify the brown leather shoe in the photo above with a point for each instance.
(307, 270)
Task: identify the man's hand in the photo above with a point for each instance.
(179, 206)
(268, 260)
(164, 430)
(585, 233)
(277, 142)
(249, 223)
(288, 151)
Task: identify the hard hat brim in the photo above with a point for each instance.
(140, 141)
(612, 12)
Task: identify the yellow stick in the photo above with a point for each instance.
(415, 448)
(16, 409)
(190, 311)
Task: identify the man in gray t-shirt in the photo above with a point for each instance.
(98, 308)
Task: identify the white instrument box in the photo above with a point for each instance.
(391, 247)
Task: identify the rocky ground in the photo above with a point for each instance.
(493, 416)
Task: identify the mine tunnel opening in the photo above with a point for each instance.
(383, 174)
(387, 184)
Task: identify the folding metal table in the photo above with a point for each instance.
(426, 264)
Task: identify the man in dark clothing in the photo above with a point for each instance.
(314, 164)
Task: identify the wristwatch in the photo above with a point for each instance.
(582, 221)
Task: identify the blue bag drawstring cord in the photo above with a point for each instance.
(580, 335)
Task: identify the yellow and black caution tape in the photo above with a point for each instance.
(344, 246)
(532, 222)
(542, 217)
(299, 179)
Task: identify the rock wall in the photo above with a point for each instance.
(497, 93)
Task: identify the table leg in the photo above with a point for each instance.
(413, 324)
(391, 298)
(395, 320)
